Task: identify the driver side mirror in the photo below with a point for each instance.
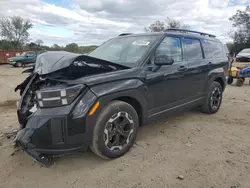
(163, 60)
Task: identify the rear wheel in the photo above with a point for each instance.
(240, 81)
(230, 80)
(213, 99)
(115, 130)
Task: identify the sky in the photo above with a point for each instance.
(91, 22)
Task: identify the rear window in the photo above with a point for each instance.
(212, 49)
(192, 49)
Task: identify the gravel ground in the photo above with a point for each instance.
(190, 150)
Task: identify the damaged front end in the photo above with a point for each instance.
(52, 111)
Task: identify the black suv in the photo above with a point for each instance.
(72, 102)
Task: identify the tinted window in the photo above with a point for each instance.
(212, 49)
(171, 47)
(30, 54)
(192, 49)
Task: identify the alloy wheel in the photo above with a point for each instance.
(118, 130)
(216, 98)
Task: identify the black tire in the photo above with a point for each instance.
(101, 143)
(240, 81)
(209, 107)
(230, 80)
(18, 64)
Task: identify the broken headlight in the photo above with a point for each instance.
(57, 97)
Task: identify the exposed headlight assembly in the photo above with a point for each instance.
(58, 97)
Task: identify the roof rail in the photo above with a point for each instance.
(190, 31)
(125, 34)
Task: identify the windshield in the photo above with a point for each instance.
(23, 54)
(125, 50)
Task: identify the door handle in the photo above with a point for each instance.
(182, 68)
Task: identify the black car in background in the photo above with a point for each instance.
(72, 102)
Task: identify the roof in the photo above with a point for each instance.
(176, 33)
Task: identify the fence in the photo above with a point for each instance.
(5, 54)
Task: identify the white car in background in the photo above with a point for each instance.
(243, 56)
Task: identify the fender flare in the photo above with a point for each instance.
(124, 90)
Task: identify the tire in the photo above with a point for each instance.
(106, 126)
(18, 64)
(209, 107)
(230, 80)
(240, 82)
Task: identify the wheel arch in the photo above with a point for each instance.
(131, 91)
(217, 75)
(221, 82)
(135, 104)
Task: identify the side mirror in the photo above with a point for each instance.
(163, 60)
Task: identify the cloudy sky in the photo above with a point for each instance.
(94, 21)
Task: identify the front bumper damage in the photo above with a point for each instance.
(22, 141)
(53, 111)
(52, 132)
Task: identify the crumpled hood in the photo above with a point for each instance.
(52, 61)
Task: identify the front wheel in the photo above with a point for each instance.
(115, 130)
(18, 64)
(213, 99)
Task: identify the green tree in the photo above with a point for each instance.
(230, 47)
(56, 47)
(241, 21)
(72, 47)
(39, 42)
(159, 26)
(32, 46)
(15, 29)
(6, 45)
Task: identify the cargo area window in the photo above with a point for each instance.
(212, 49)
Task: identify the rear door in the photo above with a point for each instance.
(197, 67)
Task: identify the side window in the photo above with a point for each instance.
(30, 54)
(212, 49)
(170, 46)
(192, 49)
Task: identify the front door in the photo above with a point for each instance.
(167, 86)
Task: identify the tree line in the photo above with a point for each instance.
(15, 35)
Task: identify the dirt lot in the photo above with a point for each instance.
(207, 150)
